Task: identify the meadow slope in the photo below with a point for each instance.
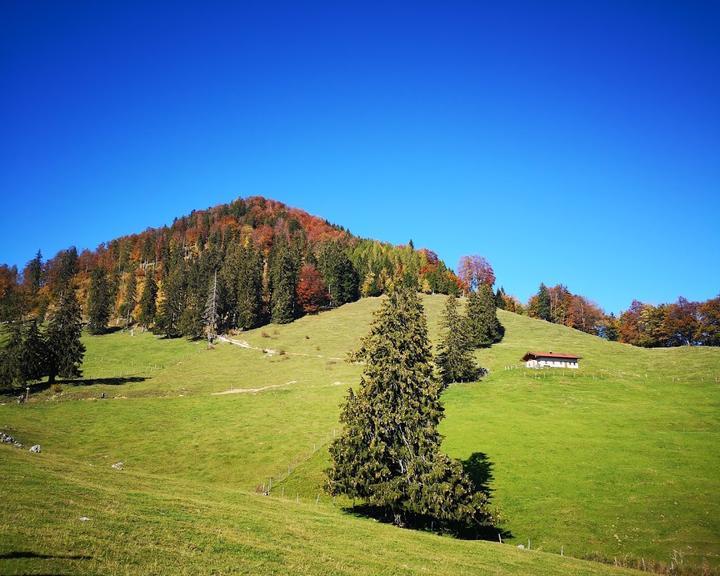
(619, 458)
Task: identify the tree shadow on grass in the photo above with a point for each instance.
(478, 467)
(117, 381)
(19, 393)
(17, 554)
(114, 381)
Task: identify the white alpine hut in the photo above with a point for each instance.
(550, 360)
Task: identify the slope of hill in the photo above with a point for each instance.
(617, 459)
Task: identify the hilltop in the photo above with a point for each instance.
(262, 260)
(611, 461)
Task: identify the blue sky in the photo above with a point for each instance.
(566, 142)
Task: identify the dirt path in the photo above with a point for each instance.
(252, 390)
(248, 346)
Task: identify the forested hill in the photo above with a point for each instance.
(255, 260)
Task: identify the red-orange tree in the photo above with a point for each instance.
(312, 293)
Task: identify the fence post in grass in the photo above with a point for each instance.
(317, 499)
(500, 537)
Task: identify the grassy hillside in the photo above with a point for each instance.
(619, 458)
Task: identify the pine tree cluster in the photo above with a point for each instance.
(30, 355)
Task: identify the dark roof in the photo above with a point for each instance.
(536, 355)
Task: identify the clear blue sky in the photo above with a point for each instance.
(567, 142)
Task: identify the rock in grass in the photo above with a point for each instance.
(35, 449)
(118, 465)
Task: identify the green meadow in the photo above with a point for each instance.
(619, 459)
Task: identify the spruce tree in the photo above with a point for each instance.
(173, 303)
(248, 288)
(34, 354)
(543, 303)
(210, 315)
(284, 283)
(129, 299)
(191, 317)
(389, 452)
(454, 359)
(500, 298)
(340, 276)
(483, 326)
(148, 300)
(11, 361)
(33, 273)
(98, 302)
(65, 350)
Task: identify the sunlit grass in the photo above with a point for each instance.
(618, 458)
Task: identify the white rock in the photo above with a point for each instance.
(521, 546)
(36, 449)
(84, 518)
(118, 465)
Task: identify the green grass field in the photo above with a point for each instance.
(620, 458)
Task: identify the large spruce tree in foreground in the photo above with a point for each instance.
(455, 360)
(65, 350)
(389, 453)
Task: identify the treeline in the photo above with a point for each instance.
(679, 323)
(557, 304)
(238, 265)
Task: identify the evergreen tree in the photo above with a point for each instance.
(33, 273)
(11, 361)
(249, 288)
(173, 302)
(191, 317)
(148, 300)
(98, 302)
(190, 324)
(129, 299)
(610, 328)
(284, 283)
(340, 275)
(65, 350)
(61, 270)
(483, 326)
(389, 453)
(543, 304)
(455, 360)
(34, 354)
(500, 298)
(210, 316)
